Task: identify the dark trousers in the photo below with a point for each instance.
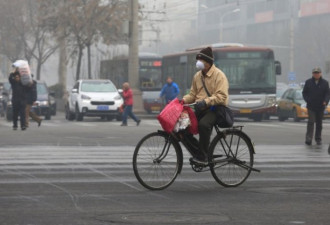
(314, 117)
(18, 109)
(128, 111)
(206, 121)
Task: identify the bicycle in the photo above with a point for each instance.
(158, 157)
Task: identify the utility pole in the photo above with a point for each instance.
(133, 57)
(292, 34)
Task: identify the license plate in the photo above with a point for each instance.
(155, 108)
(102, 107)
(245, 110)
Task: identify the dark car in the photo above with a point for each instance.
(6, 100)
(45, 106)
(45, 101)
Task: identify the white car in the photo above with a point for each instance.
(94, 98)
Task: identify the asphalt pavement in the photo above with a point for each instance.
(79, 173)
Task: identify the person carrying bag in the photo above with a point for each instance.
(217, 86)
(225, 117)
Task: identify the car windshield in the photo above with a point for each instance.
(279, 92)
(298, 95)
(42, 89)
(98, 86)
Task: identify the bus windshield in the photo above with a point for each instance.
(150, 78)
(250, 74)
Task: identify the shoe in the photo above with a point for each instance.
(14, 128)
(319, 142)
(308, 142)
(123, 125)
(39, 123)
(199, 160)
(138, 122)
(23, 128)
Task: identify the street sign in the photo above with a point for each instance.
(291, 76)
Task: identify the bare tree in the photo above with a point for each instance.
(82, 22)
(24, 25)
(10, 44)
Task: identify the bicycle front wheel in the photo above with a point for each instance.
(156, 161)
(231, 156)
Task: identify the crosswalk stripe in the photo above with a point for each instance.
(84, 164)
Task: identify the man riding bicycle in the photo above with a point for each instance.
(217, 85)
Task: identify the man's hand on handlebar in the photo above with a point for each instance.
(201, 105)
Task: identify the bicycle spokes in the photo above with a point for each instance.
(232, 158)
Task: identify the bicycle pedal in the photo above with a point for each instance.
(198, 162)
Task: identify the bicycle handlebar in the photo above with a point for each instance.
(191, 104)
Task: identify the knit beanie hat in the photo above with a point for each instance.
(206, 54)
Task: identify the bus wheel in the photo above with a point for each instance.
(258, 117)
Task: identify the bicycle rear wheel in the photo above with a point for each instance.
(156, 161)
(231, 157)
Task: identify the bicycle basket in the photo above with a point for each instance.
(170, 115)
(193, 128)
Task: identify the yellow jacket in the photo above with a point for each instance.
(217, 85)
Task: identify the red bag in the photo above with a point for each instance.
(121, 108)
(193, 128)
(170, 115)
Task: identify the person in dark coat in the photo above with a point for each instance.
(316, 93)
(18, 99)
(31, 98)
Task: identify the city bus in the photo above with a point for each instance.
(251, 72)
(150, 77)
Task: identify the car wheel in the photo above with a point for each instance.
(109, 118)
(295, 116)
(9, 115)
(79, 116)
(257, 118)
(119, 117)
(69, 115)
(280, 116)
(48, 115)
(54, 111)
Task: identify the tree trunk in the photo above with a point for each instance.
(62, 66)
(39, 63)
(89, 61)
(80, 54)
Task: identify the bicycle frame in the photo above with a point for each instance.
(170, 139)
(231, 157)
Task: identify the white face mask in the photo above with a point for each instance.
(200, 65)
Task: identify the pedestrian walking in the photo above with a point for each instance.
(170, 90)
(215, 81)
(316, 93)
(18, 99)
(128, 105)
(31, 98)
